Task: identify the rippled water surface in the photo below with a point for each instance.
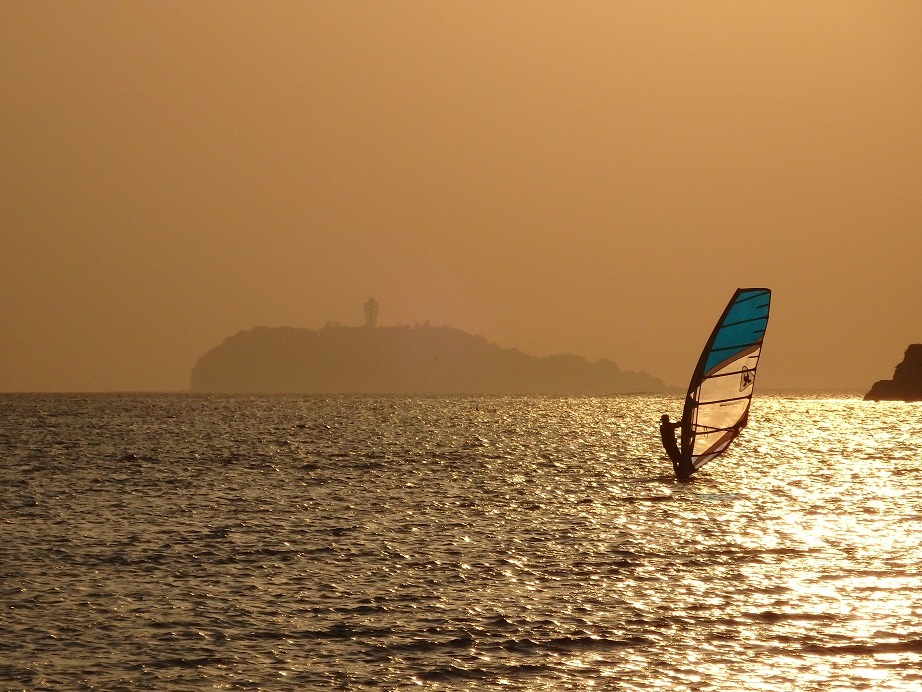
(183, 542)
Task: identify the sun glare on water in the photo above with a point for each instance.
(534, 543)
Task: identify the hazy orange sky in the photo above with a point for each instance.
(583, 177)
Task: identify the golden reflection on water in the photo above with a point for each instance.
(526, 543)
(801, 544)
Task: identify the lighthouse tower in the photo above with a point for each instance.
(371, 313)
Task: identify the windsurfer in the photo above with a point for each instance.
(667, 432)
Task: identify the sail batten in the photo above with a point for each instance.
(751, 319)
(732, 348)
(712, 402)
(734, 372)
(721, 387)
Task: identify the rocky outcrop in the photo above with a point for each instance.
(399, 360)
(906, 384)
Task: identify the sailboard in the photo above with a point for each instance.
(720, 392)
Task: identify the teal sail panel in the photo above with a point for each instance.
(721, 388)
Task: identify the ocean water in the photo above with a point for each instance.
(168, 542)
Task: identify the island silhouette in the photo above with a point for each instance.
(419, 359)
(906, 384)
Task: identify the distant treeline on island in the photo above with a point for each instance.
(399, 360)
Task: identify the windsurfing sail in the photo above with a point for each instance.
(717, 404)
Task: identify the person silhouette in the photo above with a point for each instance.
(667, 433)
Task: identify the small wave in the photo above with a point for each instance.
(910, 646)
(573, 644)
(429, 645)
(131, 456)
(454, 673)
(776, 616)
(196, 662)
(718, 497)
(634, 499)
(499, 622)
(337, 631)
